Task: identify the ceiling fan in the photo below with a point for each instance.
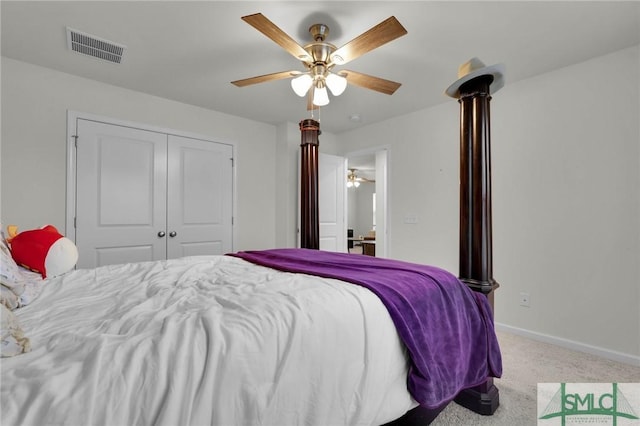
(353, 181)
(319, 57)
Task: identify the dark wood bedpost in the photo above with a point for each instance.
(476, 257)
(476, 249)
(309, 216)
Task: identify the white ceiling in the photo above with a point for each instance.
(191, 51)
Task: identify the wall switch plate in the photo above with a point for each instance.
(524, 299)
(411, 218)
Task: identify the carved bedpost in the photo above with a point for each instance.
(473, 91)
(476, 246)
(309, 213)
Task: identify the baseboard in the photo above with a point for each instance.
(571, 344)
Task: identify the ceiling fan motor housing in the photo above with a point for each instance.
(319, 31)
(320, 51)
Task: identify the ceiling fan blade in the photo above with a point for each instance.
(378, 84)
(271, 30)
(386, 31)
(266, 77)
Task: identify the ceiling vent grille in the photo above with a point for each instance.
(87, 44)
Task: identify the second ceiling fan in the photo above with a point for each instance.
(320, 57)
(353, 181)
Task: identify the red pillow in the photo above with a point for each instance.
(31, 249)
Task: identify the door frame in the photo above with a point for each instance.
(385, 185)
(73, 116)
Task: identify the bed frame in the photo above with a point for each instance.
(476, 252)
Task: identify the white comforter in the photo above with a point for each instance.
(204, 341)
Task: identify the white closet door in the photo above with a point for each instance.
(200, 209)
(121, 194)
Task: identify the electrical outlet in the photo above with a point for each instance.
(524, 299)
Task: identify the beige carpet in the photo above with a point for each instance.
(526, 363)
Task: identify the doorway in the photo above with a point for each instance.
(367, 202)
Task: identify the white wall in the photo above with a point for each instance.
(566, 203)
(35, 101)
(287, 152)
(423, 167)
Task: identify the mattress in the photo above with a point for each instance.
(205, 340)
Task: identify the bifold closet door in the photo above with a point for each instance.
(200, 197)
(121, 194)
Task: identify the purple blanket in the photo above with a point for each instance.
(446, 327)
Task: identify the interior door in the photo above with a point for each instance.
(331, 199)
(120, 194)
(200, 210)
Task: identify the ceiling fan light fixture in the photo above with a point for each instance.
(320, 95)
(336, 83)
(302, 84)
(352, 179)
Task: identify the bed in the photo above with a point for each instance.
(272, 337)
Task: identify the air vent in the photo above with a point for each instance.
(87, 44)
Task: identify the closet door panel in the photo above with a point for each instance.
(200, 177)
(121, 194)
